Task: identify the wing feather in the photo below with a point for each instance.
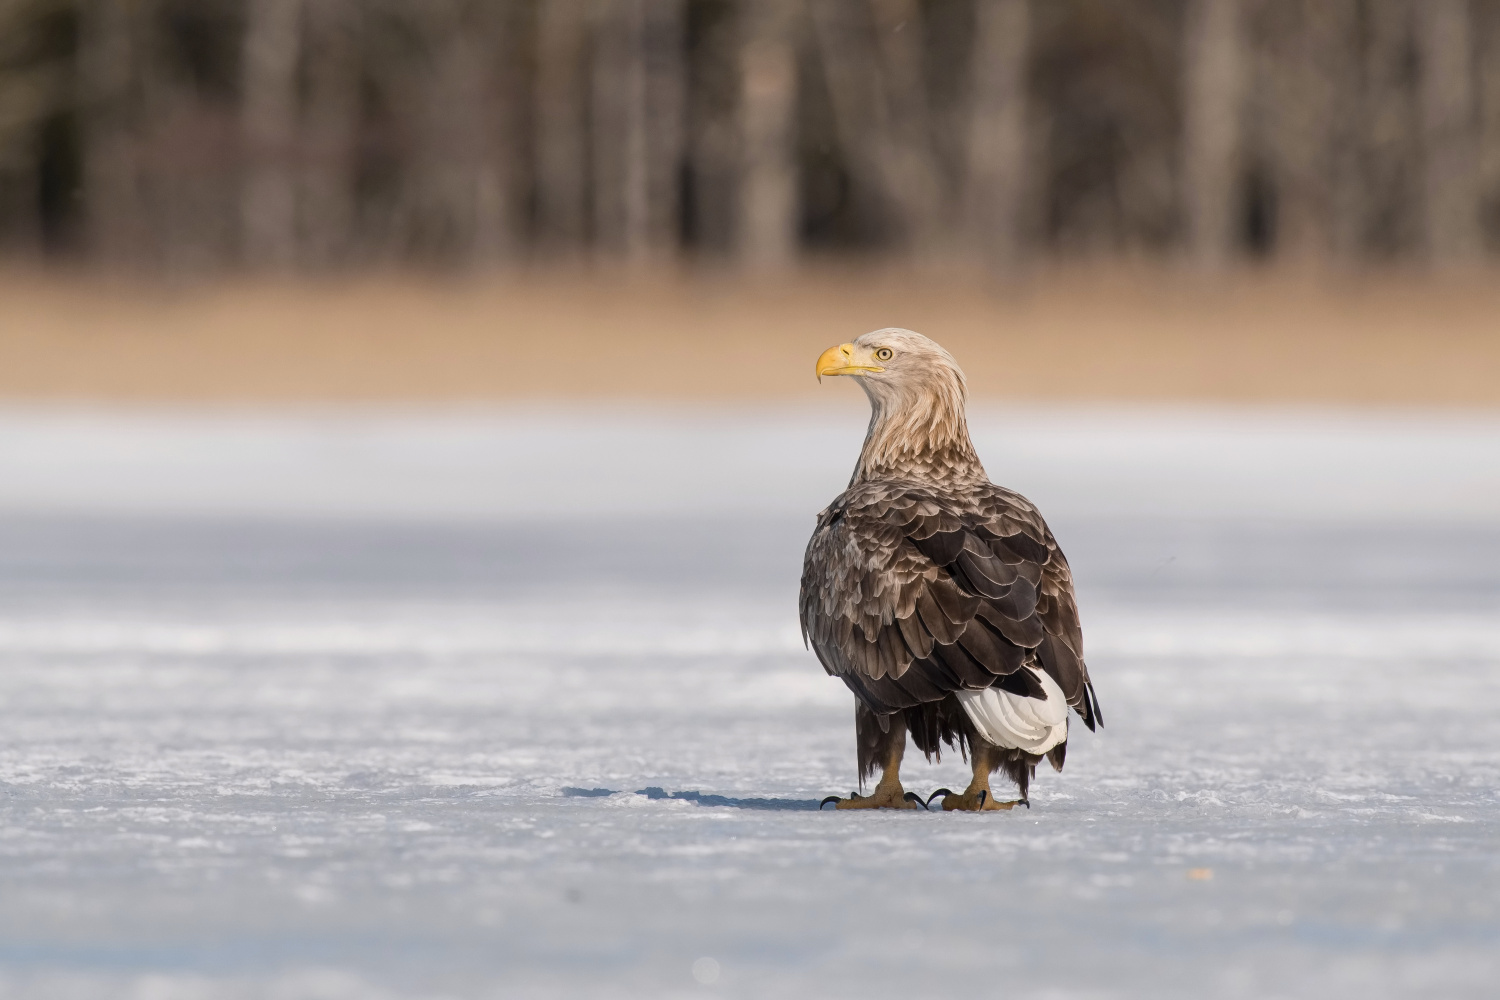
(918, 639)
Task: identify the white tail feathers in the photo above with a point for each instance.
(1017, 722)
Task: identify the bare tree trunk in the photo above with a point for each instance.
(20, 188)
(637, 126)
(326, 195)
(268, 124)
(29, 97)
(1341, 35)
(1392, 175)
(1488, 157)
(115, 222)
(496, 167)
(768, 204)
(665, 64)
(618, 116)
(900, 43)
(20, 218)
(462, 185)
(561, 125)
(1450, 188)
(1312, 79)
(1213, 95)
(189, 170)
(884, 148)
(713, 121)
(996, 171)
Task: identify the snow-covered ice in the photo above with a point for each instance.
(513, 704)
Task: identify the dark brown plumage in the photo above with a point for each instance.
(925, 585)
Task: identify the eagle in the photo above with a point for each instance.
(940, 599)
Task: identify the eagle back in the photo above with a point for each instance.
(911, 591)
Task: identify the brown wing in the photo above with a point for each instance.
(910, 593)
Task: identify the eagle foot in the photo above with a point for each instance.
(973, 800)
(881, 799)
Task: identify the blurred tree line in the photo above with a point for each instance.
(202, 135)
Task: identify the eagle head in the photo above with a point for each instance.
(895, 365)
(917, 392)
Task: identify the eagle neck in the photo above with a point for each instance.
(921, 437)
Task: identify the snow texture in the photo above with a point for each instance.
(513, 704)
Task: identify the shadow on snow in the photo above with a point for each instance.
(699, 798)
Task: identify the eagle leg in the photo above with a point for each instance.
(888, 793)
(977, 797)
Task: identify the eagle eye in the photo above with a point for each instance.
(885, 354)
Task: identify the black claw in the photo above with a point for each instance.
(831, 798)
(940, 791)
(982, 796)
(1026, 803)
(914, 797)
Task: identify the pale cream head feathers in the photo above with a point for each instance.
(917, 392)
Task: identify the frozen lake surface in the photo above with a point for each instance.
(514, 705)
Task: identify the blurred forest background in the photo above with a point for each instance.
(340, 138)
(324, 134)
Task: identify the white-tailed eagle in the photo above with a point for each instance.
(939, 598)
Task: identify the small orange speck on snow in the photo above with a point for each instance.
(1200, 874)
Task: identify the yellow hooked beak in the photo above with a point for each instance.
(843, 360)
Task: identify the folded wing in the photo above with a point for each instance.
(912, 593)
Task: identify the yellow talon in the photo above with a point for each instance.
(974, 800)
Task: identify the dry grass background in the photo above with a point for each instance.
(1071, 334)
